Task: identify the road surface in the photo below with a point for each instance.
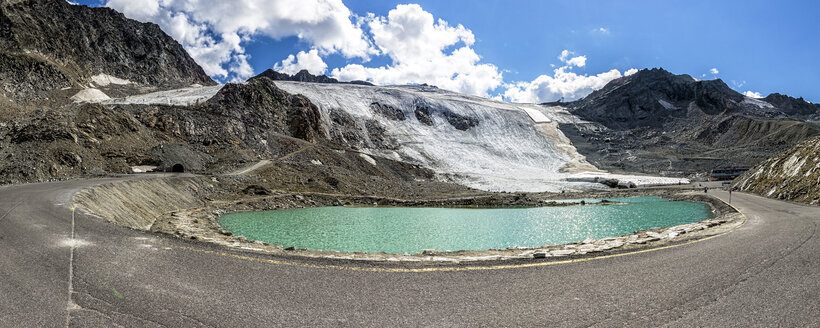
(767, 273)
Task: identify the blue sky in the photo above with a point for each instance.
(754, 46)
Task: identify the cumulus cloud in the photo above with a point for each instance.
(214, 31)
(752, 94)
(562, 85)
(714, 71)
(630, 71)
(418, 47)
(579, 61)
(139, 9)
(311, 61)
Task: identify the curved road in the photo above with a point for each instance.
(767, 273)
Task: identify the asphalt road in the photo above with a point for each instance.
(767, 273)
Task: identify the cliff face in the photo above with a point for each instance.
(48, 45)
(792, 175)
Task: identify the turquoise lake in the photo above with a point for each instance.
(400, 230)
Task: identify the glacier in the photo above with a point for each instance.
(474, 141)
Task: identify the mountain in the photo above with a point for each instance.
(62, 46)
(88, 92)
(794, 106)
(792, 175)
(654, 97)
(655, 121)
(303, 76)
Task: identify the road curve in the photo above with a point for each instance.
(766, 273)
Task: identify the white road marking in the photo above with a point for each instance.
(70, 305)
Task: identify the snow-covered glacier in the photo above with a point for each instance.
(477, 142)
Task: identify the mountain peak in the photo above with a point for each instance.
(791, 105)
(303, 76)
(60, 45)
(652, 97)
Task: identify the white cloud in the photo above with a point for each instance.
(602, 30)
(563, 84)
(214, 31)
(418, 47)
(752, 94)
(630, 71)
(714, 71)
(136, 9)
(579, 61)
(303, 60)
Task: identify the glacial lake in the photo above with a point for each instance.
(400, 230)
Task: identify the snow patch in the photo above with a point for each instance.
(104, 80)
(143, 168)
(536, 115)
(178, 97)
(667, 105)
(368, 159)
(627, 180)
(90, 95)
(757, 102)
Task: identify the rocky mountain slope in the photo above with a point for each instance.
(791, 175)
(654, 121)
(52, 50)
(238, 126)
(65, 48)
(475, 141)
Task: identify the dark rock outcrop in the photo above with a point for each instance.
(261, 104)
(460, 122)
(794, 106)
(303, 76)
(388, 111)
(423, 115)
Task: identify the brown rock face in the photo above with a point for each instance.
(261, 104)
(304, 121)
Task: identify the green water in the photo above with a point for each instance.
(400, 229)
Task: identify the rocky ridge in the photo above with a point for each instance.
(792, 175)
(304, 76)
(654, 121)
